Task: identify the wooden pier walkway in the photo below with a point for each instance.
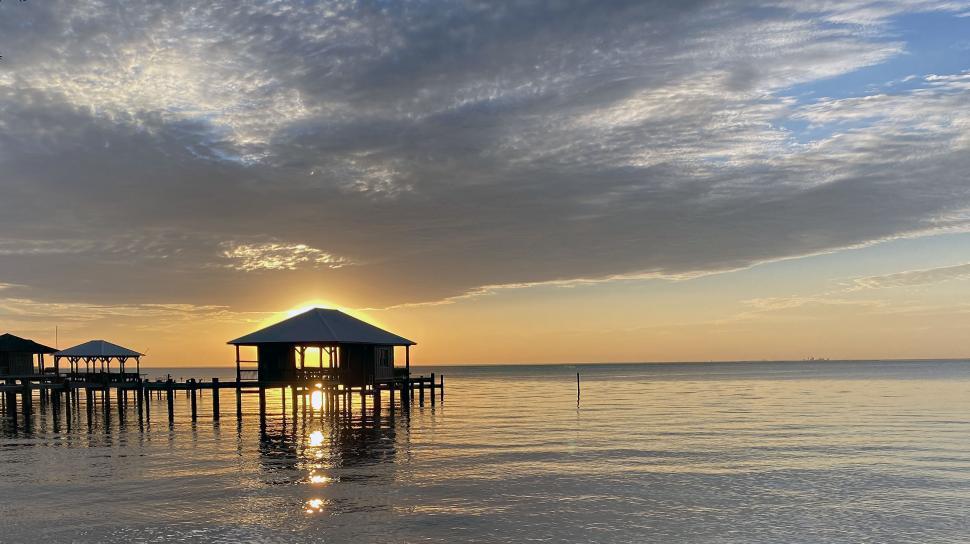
(337, 398)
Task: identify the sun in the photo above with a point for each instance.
(310, 304)
(304, 307)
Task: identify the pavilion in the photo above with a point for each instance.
(18, 356)
(358, 353)
(97, 356)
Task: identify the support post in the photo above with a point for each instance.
(140, 398)
(27, 402)
(215, 398)
(193, 389)
(262, 408)
(88, 403)
(170, 398)
(431, 389)
(147, 398)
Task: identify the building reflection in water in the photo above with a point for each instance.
(320, 450)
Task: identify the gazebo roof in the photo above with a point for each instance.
(15, 344)
(98, 348)
(322, 326)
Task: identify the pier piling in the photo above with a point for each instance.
(170, 398)
(215, 398)
(193, 394)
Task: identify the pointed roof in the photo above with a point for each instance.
(322, 326)
(15, 344)
(97, 348)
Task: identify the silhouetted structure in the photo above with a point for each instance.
(357, 353)
(19, 355)
(359, 361)
(97, 356)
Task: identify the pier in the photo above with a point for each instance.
(20, 393)
(354, 360)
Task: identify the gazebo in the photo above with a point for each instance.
(17, 355)
(97, 356)
(358, 353)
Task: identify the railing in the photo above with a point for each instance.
(102, 377)
(322, 374)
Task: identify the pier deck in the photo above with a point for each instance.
(21, 390)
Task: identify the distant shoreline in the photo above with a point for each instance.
(628, 363)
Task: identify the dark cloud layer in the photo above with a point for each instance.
(432, 148)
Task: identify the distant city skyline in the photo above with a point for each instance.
(528, 183)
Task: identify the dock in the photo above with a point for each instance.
(352, 358)
(20, 392)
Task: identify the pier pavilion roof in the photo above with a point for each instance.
(322, 326)
(98, 349)
(15, 344)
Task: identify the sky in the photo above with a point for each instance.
(513, 182)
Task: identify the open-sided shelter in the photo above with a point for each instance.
(97, 356)
(357, 353)
(19, 355)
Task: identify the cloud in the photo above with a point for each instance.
(911, 278)
(770, 304)
(278, 256)
(446, 150)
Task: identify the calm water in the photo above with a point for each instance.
(743, 452)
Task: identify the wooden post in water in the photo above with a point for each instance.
(421, 391)
(68, 401)
(170, 398)
(577, 389)
(432, 389)
(140, 398)
(442, 387)
(27, 403)
(11, 397)
(147, 398)
(238, 402)
(283, 401)
(215, 398)
(122, 399)
(193, 393)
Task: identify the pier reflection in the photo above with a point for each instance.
(311, 444)
(319, 450)
(330, 454)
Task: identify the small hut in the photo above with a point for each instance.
(97, 356)
(18, 356)
(357, 353)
